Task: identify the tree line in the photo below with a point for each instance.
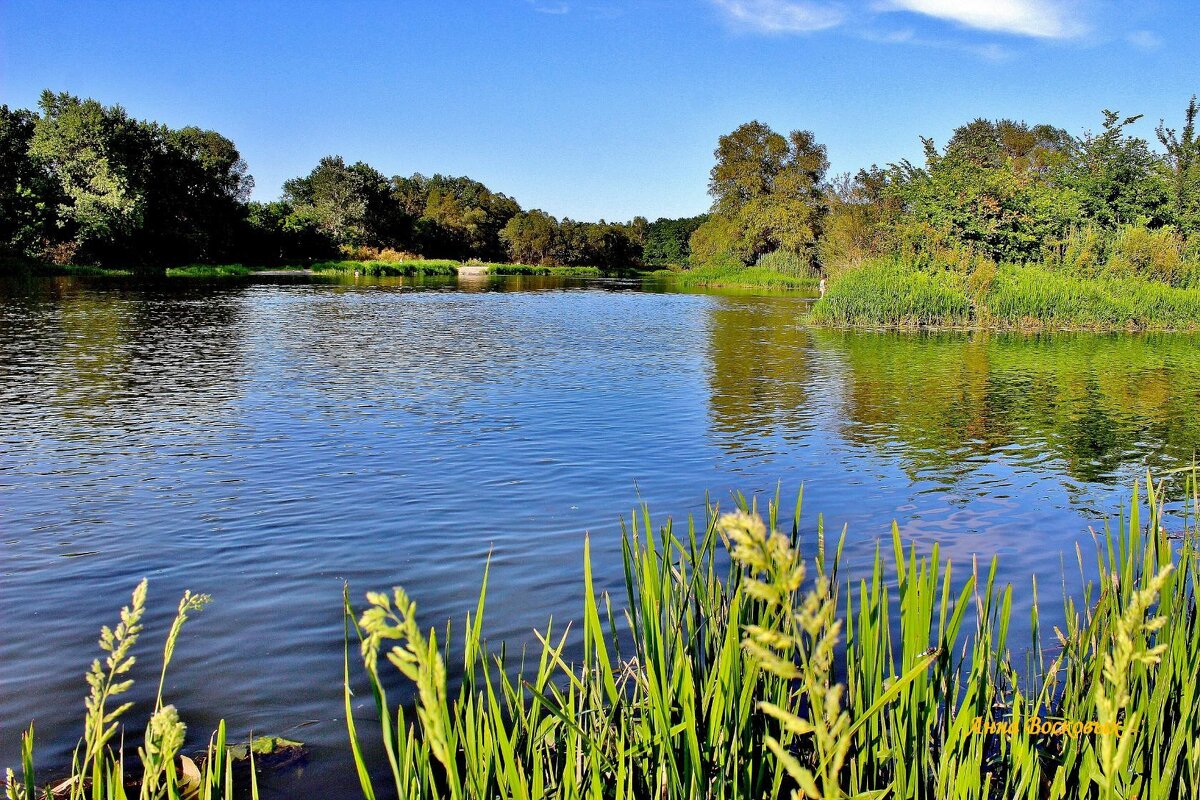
(86, 183)
(999, 191)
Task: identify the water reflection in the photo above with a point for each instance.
(267, 441)
(1100, 408)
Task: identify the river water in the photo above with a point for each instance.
(267, 442)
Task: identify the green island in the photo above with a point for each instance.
(1008, 225)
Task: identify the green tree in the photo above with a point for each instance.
(767, 193)
(666, 240)
(27, 198)
(1118, 176)
(1183, 163)
(531, 237)
(351, 204)
(96, 154)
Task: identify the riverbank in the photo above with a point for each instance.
(737, 278)
(887, 293)
(771, 675)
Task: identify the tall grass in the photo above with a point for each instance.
(378, 269)
(888, 292)
(1033, 297)
(98, 768)
(738, 276)
(770, 677)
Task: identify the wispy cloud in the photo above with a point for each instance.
(783, 16)
(1047, 19)
(549, 6)
(1144, 40)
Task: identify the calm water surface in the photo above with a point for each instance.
(268, 442)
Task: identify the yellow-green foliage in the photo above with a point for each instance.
(887, 292)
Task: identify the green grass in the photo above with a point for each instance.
(740, 668)
(888, 293)
(1029, 297)
(527, 269)
(210, 271)
(737, 277)
(378, 269)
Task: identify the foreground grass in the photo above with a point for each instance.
(741, 666)
(889, 293)
(737, 277)
(771, 678)
(99, 770)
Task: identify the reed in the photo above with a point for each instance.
(743, 665)
(738, 276)
(382, 269)
(891, 293)
(161, 772)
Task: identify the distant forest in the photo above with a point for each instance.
(86, 183)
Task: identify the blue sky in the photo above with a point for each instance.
(597, 108)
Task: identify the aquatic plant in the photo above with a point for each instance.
(730, 663)
(889, 292)
(98, 769)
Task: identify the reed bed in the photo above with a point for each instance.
(743, 665)
(738, 276)
(1033, 297)
(381, 269)
(890, 293)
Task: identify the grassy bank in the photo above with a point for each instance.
(560, 272)
(890, 293)
(742, 663)
(380, 269)
(211, 271)
(736, 277)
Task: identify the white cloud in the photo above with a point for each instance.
(782, 16)
(1049, 19)
(1144, 40)
(553, 7)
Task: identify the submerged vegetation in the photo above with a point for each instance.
(769, 677)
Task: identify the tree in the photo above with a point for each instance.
(1183, 164)
(351, 204)
(998, 187)
(27, 200)
(1118, 176)
(666, 240)
(767, 193)
(96, 156)
(531, 237)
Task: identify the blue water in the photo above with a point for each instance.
(267, 442)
